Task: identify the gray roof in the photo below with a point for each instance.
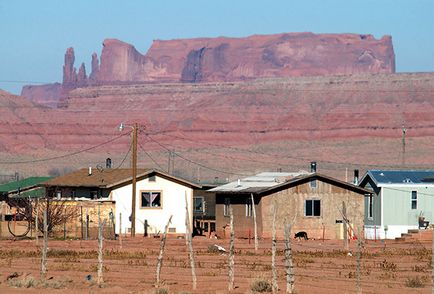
(257, 182)
(406, 177)
(264, 183)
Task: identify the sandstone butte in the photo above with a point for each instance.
(223, 59)
(269, 115)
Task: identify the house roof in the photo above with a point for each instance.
(289, 182)
(22, 184)
(405, 177)
(108, 178)
(256, 183)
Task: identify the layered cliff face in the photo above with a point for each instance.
(229, 59)
(286, 122)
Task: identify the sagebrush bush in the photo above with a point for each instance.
(260, 286)
(414, 282)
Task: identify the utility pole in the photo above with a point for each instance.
(404, 130)
(134, 168)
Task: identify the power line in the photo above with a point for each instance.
(298, 158)
(194, 162)
(65, 155)
(156, 163)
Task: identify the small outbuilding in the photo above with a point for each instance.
(310, 202)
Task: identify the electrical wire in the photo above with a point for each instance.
(153, 160)
(194, 162)
(65, 155)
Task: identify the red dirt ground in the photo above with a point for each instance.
(320, 266)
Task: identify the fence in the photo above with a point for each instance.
(79, 221)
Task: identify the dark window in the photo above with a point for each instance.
(313, 184)
(312, 208)
(413, 199)
(226, 207)
(198, 206)
(370, 206)
(153, 178)
(151, 199)
(249, 207)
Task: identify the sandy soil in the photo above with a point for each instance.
(320, 266)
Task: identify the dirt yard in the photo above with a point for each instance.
(320, 267)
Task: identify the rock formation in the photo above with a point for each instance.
(231, 59)
(69, 71)
(355, 119)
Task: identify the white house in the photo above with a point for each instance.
(158, 196)
(402, 200)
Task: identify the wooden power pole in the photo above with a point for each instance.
(134, 168)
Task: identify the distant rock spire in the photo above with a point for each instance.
(81, 76)
(93, 77)
(69, 71)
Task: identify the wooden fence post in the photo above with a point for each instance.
(160, 255)
(189, 243)
(344, 212)
(100, 244)
(358, 267)
(254, 222)
(44, 248)
(275, 286)
(432, 262)
(231, 261)
(37, 222)
(120, 230)
(288, 260)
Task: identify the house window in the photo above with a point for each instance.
(413, 199)
(226, 206)
(370, 206)
(151, 199)
(249, 207)
(312, 208)
(312, 184)
(198, 205)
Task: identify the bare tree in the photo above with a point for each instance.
(58, 213)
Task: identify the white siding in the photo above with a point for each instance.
(173, 203)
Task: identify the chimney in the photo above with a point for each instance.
(313, 166)
(90, 171)
(356, 177)
(108, 163)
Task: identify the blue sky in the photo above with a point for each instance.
(35, 34)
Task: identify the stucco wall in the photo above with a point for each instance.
(291, 203)
(172, 203)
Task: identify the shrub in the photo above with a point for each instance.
(414, 282)
(27, 282)
(161, 291)
(260, 286)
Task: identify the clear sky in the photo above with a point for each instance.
(35, 34)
